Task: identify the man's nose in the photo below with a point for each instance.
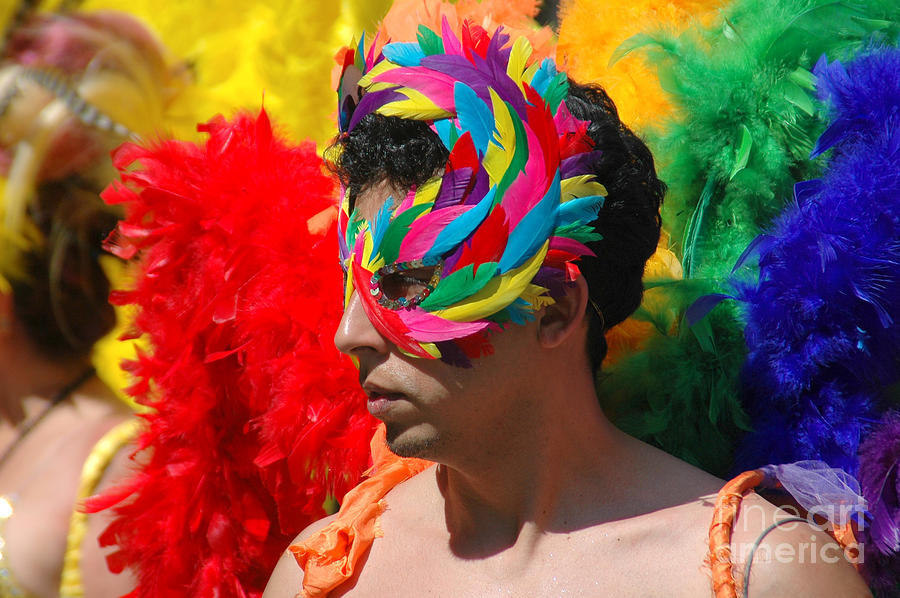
(355, 333)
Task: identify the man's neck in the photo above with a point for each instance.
(532, 479)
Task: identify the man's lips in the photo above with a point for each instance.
(380, 399)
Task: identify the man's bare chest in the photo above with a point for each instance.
(588, 564)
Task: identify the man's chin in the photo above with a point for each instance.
(404, 442)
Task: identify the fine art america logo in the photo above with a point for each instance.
(812, 545)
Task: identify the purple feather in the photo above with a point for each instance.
(460, 68)
(451, 260)
(454, 186)
(552, 279)
(482, 186)
(452, 354)
(806, 189)
(579, 164)
(880, 480)
(371, 102)
(498, 49)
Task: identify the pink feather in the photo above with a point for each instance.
(437, 87)
(427, 327)
(407, 201)
(570, 245)
(424, 231)
(452, 45)
(530, 186)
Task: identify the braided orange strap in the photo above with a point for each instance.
(728, 502)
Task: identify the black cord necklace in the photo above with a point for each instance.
(61, 395)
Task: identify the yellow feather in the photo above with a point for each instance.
(417, 106)
(528, 75)
(498, 293)
(500, 152)
(518, 59)
(536, 296)
(581, 186)
(241, 49)
(370, 262)
(348, 288)
(429, 348)
(428, 191)
(109, 352)
(378, 69)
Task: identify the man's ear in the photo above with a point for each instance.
(561, 320)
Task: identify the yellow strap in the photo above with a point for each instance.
(94, 467)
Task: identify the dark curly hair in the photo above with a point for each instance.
(407, 153)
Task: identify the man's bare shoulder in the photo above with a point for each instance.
(287, 578)
(644, 553)
(792, 558)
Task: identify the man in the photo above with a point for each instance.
(497, 220)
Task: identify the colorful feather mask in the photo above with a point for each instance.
(484, 243)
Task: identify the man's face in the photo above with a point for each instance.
(430, 407)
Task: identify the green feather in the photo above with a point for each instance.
(578, 232)
(353, 227)
(519, 158)
(461, 284)
(822, 29)
(743, 151)
(397, 230)
(429, 41)
(556, 92)
(631, 44)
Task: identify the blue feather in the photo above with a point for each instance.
(474, 116)
(532, 230)
(380, 226)
(463, 226)
(447, 131)
(806, 189)
(581, 209)
(760, 245)
(404, 53)
(544, 76)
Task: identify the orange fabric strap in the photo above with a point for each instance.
(728, 502)
(329, 557)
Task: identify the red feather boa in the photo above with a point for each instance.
(256, 418)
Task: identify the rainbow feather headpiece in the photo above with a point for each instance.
(496, 235)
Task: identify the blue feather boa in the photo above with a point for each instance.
(823, 317)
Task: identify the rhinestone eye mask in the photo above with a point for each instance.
(497, 235)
